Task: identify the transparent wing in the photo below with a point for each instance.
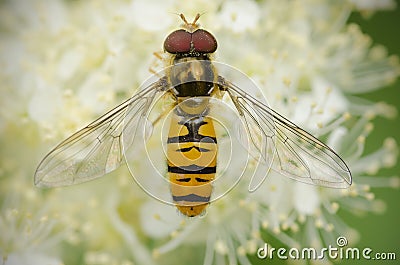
(96, 149)
(285, 147)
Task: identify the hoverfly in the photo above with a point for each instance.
(191, 81)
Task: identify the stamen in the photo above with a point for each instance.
(209, 255)
(178, 238)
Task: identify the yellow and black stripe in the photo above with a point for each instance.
(191, 155)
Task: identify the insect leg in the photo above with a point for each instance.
(158, 57)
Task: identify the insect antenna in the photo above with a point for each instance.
(190, 26)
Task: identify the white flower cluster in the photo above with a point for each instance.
(65, 62)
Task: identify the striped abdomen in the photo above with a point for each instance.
(191, 155)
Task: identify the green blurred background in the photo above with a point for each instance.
(381, 232)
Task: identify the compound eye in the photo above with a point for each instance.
(204, 41)
(178, 41)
